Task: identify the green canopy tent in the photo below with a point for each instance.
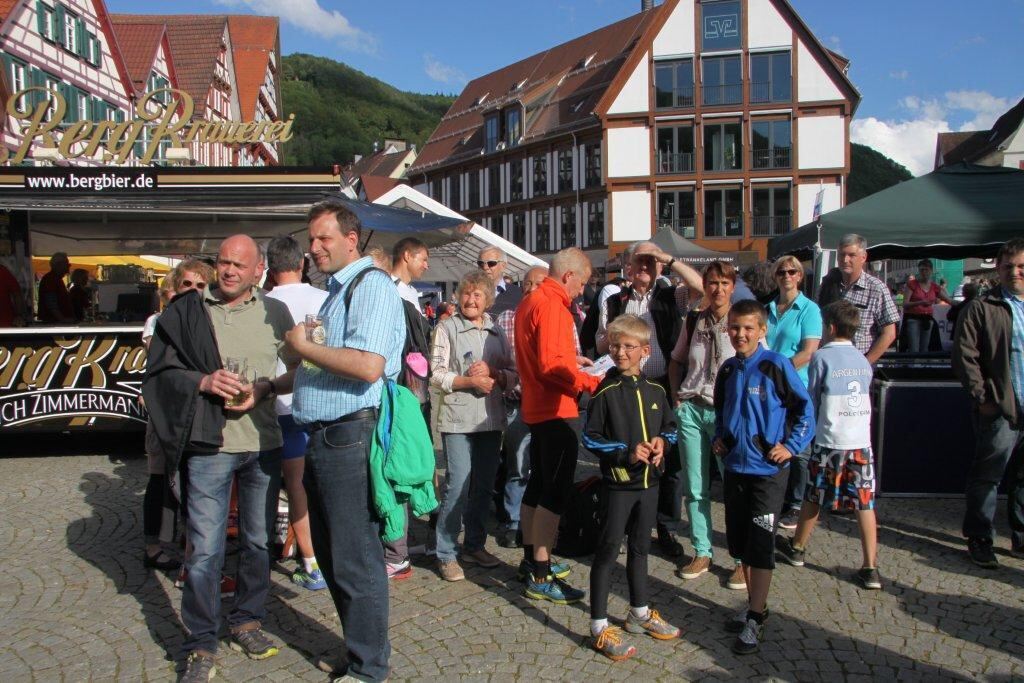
(955, 212)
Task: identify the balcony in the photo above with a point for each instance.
(770, 226)
(715, 95)
(679, 98)
(761, 93)
(674, 162)
(730, 226)
(776, 157)
(683, 226)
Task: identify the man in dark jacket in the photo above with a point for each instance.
(202, 417)
(988, 359)
(653, 300)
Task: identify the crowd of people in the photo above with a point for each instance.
(773, 395)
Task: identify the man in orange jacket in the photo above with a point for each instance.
(551, 384)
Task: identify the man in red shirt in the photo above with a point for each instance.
(12, 304)
(551, 384)
(54, 300)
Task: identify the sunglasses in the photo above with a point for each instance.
(786, 271)
(489, 264)
(628, 348)
(189, 283)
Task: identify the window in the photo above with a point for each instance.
(723, 212)
(45, 20)
(568, 225)
(720, 25)
(723, 147)
(435, 189)
(564, 157)
(540, 175)
(515, 180)
(83, 106)
(770, 78)
(18, 73)
(595, 223)
(771, 144)
(675, 149)
(455, 191)
(474, 190)
(593, 166)
(518, 234)
(494, 185)
(773, 212)
(159, 83)
(677, 212)
(491, 133)
(71, 23)
(542, 230)
(513, 129)
(723, 82)
(673, 84)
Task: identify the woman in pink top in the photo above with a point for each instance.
(918, 298)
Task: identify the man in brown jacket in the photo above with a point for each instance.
(988, 359)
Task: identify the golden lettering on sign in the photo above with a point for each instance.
(118, 139)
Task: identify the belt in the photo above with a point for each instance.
(364, 414)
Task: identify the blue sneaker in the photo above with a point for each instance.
(554, 590)
(559, 570)
(313, 580)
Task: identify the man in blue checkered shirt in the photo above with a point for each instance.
(336, 396)
(878, 312)
(988, 359)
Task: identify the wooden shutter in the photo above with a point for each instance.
(97, 50)
(41, 16)
(59, 23)
(81, 47)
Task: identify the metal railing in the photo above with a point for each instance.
(678, 98)
(675, 162)
(730, 226)
(770, 226)
(685, 227)
(776, 157)
(723, 94)
(764, 92)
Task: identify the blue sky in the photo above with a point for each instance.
(922, 66)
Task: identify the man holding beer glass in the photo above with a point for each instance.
(228, 429)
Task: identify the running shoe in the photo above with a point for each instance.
(559, 570)
(399, 571)
(749, 639)
(609, 643)
(313, 581)
(554, 590)
(653, 625)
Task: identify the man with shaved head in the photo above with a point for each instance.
(192, 392)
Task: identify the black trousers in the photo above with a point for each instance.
(626, 513)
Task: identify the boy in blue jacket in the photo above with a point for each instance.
(629, 426)
(763, 416)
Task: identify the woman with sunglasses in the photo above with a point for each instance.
(794, 330)
(191, 274)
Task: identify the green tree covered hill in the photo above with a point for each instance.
(871, 172)
(340, 111)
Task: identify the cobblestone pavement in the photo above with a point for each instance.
(77, 605)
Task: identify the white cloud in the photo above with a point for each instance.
(899, 75)
(309, 16)
(911, 140)
(442, 73)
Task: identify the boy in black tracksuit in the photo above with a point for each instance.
(629, 427)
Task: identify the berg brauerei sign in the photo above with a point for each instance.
(165, 123)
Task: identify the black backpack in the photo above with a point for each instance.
(580, 525)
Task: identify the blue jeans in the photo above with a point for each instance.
(517, 465)
(209, 495)
(999, 447)
(918, 334)
(346, 539)
(473, 461)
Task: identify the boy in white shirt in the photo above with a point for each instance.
(842, 472)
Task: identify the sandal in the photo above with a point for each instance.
(160, 561)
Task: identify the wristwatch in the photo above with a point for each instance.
(670, 262)
(273, 389)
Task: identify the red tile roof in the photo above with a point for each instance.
(378, 164)
(5, 8)
(139, 44)
(982, 143)
(253, 39)
(195, 41)
(558, 92)
(375, 186)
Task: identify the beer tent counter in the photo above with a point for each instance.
(89, 376)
